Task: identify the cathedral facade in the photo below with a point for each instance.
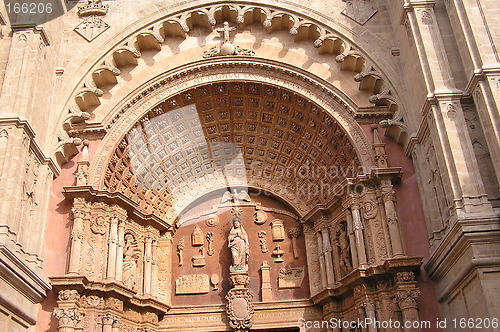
(296, 165)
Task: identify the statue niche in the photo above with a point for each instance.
(131, 254)
(343, 248)
(239, 245)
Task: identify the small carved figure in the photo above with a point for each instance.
(180, 248)
(210, 240)
(263, 242)
(239, 246)
(278, 252)
(197, 236)
(131, 254)
(343, 249)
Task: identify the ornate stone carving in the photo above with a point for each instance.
(343, 248)
(277, 230)
(227, 47)
(239, 245)
(263, 241)
(192, 284)
(214, 280)
(240, 309)
(180, 249)
(131, 254)
(359, 10)
(197, 237)
(210, 240)
(407, 298)
(294, 233)
(68, 295)
(235, 197)
(290, 277)
(68, 318)
(406, 276)
(239, 280)
(199, 260)
(212, 221)
(260, 217)
(98, 225)
(92, 25)
(113, 303)
(278, 252)
(92, 301)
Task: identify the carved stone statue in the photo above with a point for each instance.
(343, 249)
(131, 254)
(239, 246)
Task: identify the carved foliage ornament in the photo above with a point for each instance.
(240, 309)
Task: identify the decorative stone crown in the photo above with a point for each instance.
(93, 7)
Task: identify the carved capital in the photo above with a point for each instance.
(68, 317)
(407, 298)
(109, 319)
(294, 232)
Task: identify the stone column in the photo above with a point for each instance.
(484, 70)
(107, 322)
(112, 241)
(294, 234)
(154, 268)
(392, 219)
(68, 319)
(444, 113)
(370, 314)
(385, 226)
(119, 251)
(77, 234)
(67, 311)
(407, 302)
(266, 291)
(352, 239)
(358, 233)
(321, 254)
(147, 265)
(327, 248)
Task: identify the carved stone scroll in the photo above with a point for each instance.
(192, 284)
(290, 277)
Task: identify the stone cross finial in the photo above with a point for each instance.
(226, 29)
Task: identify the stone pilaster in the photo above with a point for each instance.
(77, 235)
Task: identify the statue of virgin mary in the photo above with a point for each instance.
(238, 244)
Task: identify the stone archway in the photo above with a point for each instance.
(129, 204)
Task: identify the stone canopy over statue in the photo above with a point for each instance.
(239, 245)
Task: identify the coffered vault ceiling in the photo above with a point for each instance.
(232, 134)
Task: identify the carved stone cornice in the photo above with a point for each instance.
(370, 275)
(91, 194)
(108, 289)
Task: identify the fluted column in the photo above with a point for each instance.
(392, 219)
(352, 239)
(321, 254)
(77, 234)
(119, 251)
(358, 233)
(112, 242)
(147, 265)
(327, 248)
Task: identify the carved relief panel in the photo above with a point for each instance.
(217, 250)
